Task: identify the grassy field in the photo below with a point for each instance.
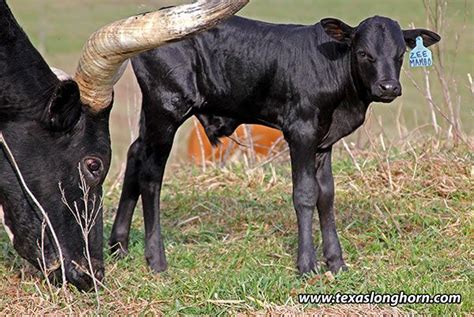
(403, 196)
(231, 239)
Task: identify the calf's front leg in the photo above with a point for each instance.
(119, 237)
(331, 246)
(305, 193)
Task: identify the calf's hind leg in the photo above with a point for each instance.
(118, 241)
(157, 147)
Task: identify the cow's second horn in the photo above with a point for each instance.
(103, 56)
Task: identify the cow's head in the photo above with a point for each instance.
(58, 131)
(378, 47)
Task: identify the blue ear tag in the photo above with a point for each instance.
(420, 56)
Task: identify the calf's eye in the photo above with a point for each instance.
(366, 56)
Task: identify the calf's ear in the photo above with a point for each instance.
(64, 107)
(429, 37)
(337, 29)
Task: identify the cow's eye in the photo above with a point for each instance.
(94, 166)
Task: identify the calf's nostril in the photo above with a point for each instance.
(389, 88)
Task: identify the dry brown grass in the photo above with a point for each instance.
(27, 296)
(330, 311)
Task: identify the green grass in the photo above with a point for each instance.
(242, 242)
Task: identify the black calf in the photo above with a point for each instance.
(314, 83)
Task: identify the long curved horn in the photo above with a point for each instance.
(102, 61)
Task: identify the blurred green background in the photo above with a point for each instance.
(59, 29)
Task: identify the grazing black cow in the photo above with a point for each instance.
(314, 83)
(56, 129)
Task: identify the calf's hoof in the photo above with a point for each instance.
(337, 266)
(118, 250)
(157, 265)
(307, 266)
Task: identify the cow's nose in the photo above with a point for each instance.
(100, 274)
(390, 88)
(82, 280)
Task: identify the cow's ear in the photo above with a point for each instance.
(337, 29)
(64, 107)
(429, 37)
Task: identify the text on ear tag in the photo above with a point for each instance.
(420, 56)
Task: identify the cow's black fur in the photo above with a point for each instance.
(314, 83)
(51, 133)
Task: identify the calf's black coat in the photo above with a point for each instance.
(314, 83)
